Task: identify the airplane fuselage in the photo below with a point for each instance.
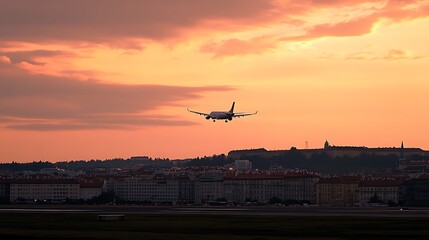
(224, 115)
(221, 115)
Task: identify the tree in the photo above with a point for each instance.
(375, 199)
(105, 197)
(275, 200)
(221, 199)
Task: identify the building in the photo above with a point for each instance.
(376, 192)
(186, 190)
(251, 187)
(209, 187)
(47, 190)
(4, 191)
(242, 165)
(337, 191)
(414, 166)
(160, 190)
(415, 192)
(300, 186)
(91, 188)
(333, 151)
(262, 187)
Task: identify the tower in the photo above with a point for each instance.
(402, 155)
(326, 144)
(402, 162)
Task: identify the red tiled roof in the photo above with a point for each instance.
(300, 174)
(340, 180)
(93, 183)
(43, 181)
(424, 176)
(380, 183)
(253, 176)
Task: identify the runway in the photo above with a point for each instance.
(261, 211)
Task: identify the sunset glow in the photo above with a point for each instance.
(103, 79)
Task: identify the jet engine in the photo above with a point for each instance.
(207, 117)
(230, 119)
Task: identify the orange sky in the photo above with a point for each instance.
(88, 79)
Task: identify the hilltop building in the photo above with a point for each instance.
(242, 165)
(414, 166)
(333, 151)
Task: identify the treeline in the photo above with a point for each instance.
(19, 167)
(92, 164)
(325, 163)
(214, 161)
(78, 165)
(318, 162)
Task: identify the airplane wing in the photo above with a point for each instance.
(244, 114)
(200, 113)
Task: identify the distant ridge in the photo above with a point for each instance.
(333, 151)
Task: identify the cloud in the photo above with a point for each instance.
(31, 57)
(41, 102)
(233, 47)
(365, 55)
(393, 10)
(392, 54)
(355, 27)
(108, 20)
(133, 24)
(397, 54)
(354, 23)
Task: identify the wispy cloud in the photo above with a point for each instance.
(110, 20)
(364, 55)
(41, 102)
(232, 47)
(392, 54)
(32, 56)
(392, 10)
(133, 24)
(397, 54)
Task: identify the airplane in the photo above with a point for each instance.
(227, 115)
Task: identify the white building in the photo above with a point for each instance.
(186, 190)
(245, 189)
(300, 187)
(385, 190)
(44, 189)
(91, 188)
(157, 190)
(209, 187)
(261, 187)
(242, 165)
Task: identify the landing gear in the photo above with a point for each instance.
(214, 120)
(226, 120)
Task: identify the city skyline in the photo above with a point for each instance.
(81, 80)
(343, 150)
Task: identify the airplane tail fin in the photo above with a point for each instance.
(232, 108)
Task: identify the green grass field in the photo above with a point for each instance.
(207, 227)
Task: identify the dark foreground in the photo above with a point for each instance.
(84, 225)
